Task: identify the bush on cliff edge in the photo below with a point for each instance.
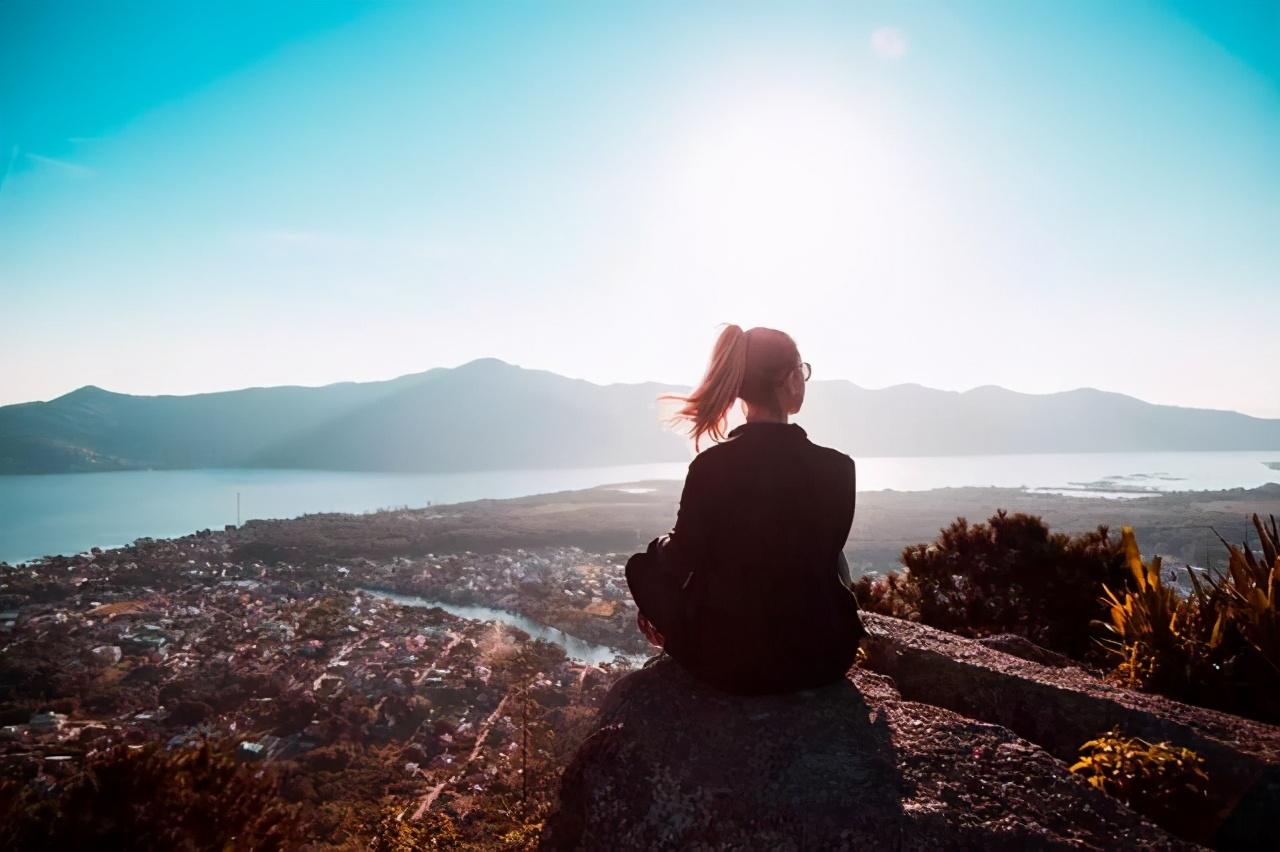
(1218, 647)
(1007, 575)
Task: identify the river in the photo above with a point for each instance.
(579, 649)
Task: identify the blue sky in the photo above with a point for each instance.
(1032, 194)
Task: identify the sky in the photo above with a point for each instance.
(1039, 195)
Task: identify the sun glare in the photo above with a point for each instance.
(797, 187)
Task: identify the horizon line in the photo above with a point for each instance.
(670, 385)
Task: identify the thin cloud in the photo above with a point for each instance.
(65, 167)
(888, 43)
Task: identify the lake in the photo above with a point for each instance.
(68, 513)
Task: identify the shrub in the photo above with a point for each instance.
(1007, 575)
(149, 798)
(1220, 647)
(1243, 600)
(391, 830)
(1161, 781)
(327, 618)
(891, 595)
(1154, 646)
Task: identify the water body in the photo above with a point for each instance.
(71, 512)
(68, 513)
(578, 649)
(1080, 474)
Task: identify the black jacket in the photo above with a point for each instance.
(763, 521)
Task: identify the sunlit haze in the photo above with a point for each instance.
(1039, 196)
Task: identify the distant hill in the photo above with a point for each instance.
(490, 415)
(908, 420)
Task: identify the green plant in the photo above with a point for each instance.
(1159, 780)
(1244, 598)
(1010, 574)
(1219, 647)
(1152, 646)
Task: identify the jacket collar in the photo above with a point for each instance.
(764, 427)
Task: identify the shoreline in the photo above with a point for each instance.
(624, 516)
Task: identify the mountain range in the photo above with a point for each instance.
(491, 415)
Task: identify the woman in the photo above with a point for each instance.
(746, 590)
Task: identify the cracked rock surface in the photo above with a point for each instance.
(675, 764)
(1059, 707)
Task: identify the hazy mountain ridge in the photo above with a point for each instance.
(488, 414)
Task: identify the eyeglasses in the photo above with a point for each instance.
(805, 371)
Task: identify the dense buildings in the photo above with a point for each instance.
(358, 704)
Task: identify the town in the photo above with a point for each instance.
(360, 705)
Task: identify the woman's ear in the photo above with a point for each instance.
(796, 385)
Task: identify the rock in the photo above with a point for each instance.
(1021, 646)
(674, 764)
(1061, 708)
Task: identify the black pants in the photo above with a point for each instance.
(659, 592)
(738, 652)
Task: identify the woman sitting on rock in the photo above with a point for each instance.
(749, 590)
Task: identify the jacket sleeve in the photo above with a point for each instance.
(686, 547)
(848, 503)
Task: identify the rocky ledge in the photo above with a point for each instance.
(938, 742)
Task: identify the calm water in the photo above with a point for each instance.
(67, 513)
(579, 649)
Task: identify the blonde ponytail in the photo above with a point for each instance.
(707, 407)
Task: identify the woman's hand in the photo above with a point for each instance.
(650, 632)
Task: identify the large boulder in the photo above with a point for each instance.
(674, 764)
(1060, 707)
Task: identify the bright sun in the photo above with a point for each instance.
(790, 186)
